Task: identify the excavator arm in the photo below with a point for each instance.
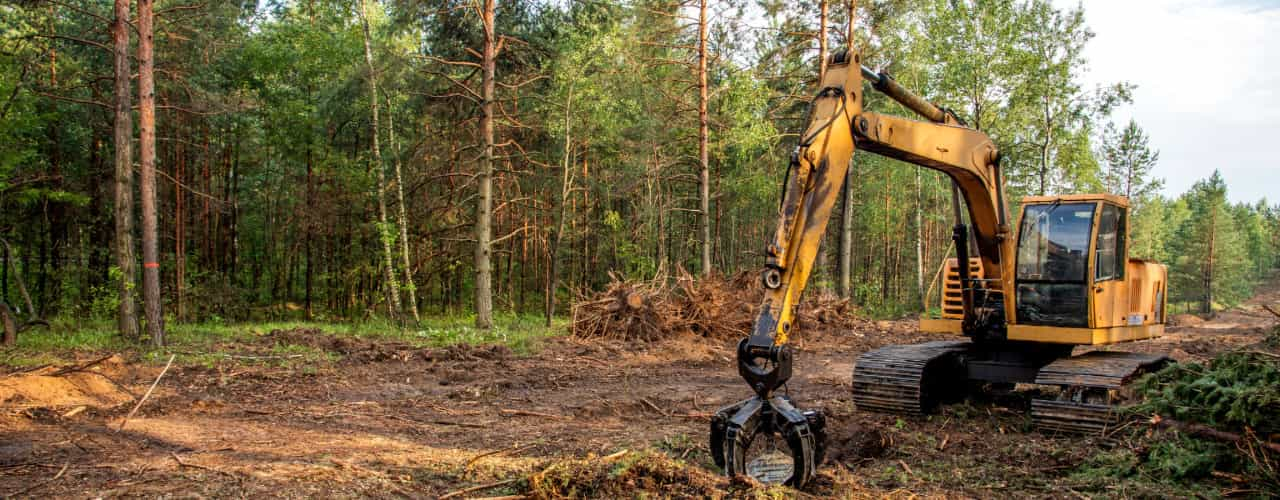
(837, 125)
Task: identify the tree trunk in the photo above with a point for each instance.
(393, 288)
(822, 42)
(308, 227)
(1044, 149)
(4, 275)
(179, 238)
(147, 174)
(484, 205)
(17, 277)
(1210, 263)
(127, 320)
(846, 214)
(704, 173)
(566, 183)
(401, 218)
(9, 324)
(845, 256)
(920, 242)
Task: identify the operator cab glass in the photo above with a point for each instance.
(1053, 259)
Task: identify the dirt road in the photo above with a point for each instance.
(387, 419)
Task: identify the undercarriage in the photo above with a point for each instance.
(1083, 391)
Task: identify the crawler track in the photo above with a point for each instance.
(908, 379)
(1090, 388)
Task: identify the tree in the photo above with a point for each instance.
(704, 160)
(1129, 161)
(484, 203)
(1209, 264)
(147, 173)
(1153, 228)
(127, 320)
(385, 234)
(402, 220)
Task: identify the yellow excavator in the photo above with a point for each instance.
(1018, 302)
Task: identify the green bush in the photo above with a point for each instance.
(1235, 390)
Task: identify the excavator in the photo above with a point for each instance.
(1017, 304)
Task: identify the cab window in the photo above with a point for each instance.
(1054, 242)
(1109, 262)
(1053, 262)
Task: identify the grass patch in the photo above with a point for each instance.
(212, 341)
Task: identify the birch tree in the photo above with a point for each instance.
(385, 234)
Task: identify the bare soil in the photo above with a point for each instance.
(389, 419)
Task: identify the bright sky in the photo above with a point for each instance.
(1208, 77)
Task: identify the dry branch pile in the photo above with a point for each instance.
(716, 307)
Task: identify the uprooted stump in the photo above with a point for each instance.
(625, 310)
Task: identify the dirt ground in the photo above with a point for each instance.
(387, 419)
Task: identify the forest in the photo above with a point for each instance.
(341, 161)
(455, 248)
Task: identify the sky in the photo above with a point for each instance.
(1208, 85)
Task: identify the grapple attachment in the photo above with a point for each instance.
(766, 437)
(769, 440)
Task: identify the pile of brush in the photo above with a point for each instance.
(712, 307)
(627, 310)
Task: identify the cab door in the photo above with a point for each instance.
(1110, 303)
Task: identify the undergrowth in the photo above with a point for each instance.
(208, 341)
(1236, 392)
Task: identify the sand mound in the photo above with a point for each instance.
(1185, 320)
(53, 387)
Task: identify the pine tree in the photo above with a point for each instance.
(1210, 264)
(1129, 161)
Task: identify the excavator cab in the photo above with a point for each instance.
(1073, 282)
(1073, 269)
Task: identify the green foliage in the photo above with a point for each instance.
(266, 142)
(1169, 466)
(104, 299)
(1209, 260)
(1185, 459)
(1129, 161)
(1234, 391)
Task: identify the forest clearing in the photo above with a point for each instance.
(572, 417)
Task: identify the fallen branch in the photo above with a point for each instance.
(1270, 310)
(525, 413)
(83, 367)
(482, 487)
(198, 466)
(148, 394)
(654, 407)
(1204, 431)
(476, 458)
(74, 411)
